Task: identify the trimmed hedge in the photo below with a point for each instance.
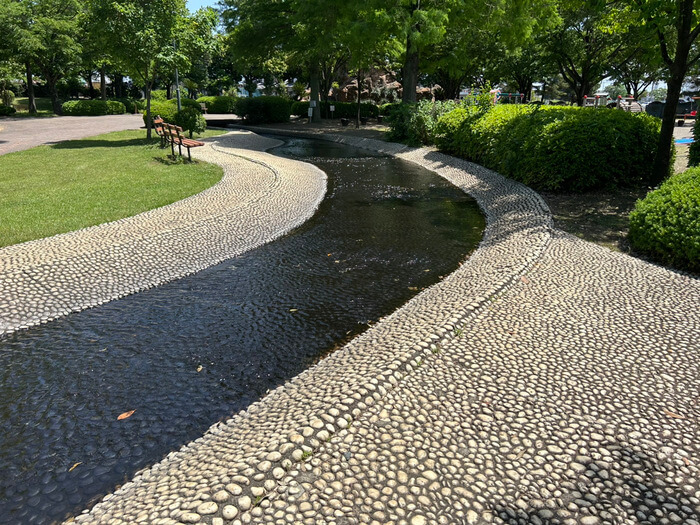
(342, 109)
(131, 105)
(167, 109)
(92, 108)
(191, 120)
(6, 111)
(666, 223)
(556, 148)
(219, 104)
(264, 110)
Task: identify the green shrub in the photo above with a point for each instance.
(191, 120)
(80, 108)
(6, 111)
(446, 132)
(694, 153)
(388, 109)
(558, 148)
(167, 109)
(399, 121)
(219, 104)
(186, 103)
(131, 105)
(342, 109)
(415, 123)
(7, 97)
(159, 95)
(666, 223)
(264, 110)
(114, 107)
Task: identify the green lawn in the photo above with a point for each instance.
(71, 185)
(43, 107)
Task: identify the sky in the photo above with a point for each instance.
(193, 5)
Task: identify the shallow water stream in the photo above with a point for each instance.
(197, 350)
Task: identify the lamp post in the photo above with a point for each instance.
(177, 83)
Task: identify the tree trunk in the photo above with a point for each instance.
(55, 102)
(30, 89)
(168, 91)
(118, 84)
(88, 80)
(148, 110)
(662, 160)
(103, 84)
(359, 98)
(410, 72)
(314, 82)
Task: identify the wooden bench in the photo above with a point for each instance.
(174, 136)
(159, 127)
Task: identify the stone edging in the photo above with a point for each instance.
(237, 463)
(254, 203)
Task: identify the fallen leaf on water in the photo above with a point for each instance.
(672, 414)
(126, 415)
(330, 254)
(75, 465)
(413, 288)
(199, 368)
(294, 310)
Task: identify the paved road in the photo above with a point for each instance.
(17, 134)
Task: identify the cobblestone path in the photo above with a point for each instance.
(547, 381)
(17, 134)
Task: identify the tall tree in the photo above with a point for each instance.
(138, 36)
(459, 40)
(56, 24)
(638, 73)
(591, 41)
(675, 25)
(42, 34)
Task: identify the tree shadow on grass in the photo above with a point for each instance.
(101, 143)
(633, 488)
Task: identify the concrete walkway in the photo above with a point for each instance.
(546, 381)
(254, 203)
(17, 134)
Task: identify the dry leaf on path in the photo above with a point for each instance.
(126, 415)
(672, 414)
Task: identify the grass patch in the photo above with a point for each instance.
(43, 107)
(71, 185)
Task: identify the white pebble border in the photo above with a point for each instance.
(259, 198)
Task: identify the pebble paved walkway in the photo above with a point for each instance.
(17, 134)
(546, 381)
(253, 204)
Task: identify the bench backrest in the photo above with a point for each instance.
(158, 125)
